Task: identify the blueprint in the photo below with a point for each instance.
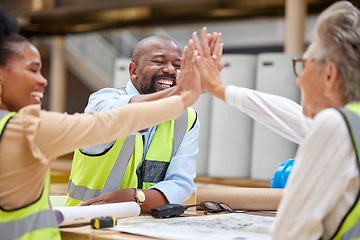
(216, 226)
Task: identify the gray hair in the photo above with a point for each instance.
(338, 34)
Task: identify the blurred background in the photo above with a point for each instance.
(86, 45)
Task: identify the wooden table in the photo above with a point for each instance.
(87, 233)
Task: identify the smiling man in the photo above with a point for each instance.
(161, 161)
(149, 56)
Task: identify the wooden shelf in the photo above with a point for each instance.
(238, 182)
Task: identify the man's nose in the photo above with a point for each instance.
(169, 68)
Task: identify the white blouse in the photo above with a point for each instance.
(325, 180)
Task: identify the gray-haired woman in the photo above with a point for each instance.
(321, 198)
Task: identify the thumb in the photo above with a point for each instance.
(222, 65)
(178, 74)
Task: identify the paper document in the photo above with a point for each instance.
(210, 227)
(79, 215)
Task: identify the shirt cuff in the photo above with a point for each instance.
(234, 96)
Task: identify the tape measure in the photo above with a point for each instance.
(102, 222)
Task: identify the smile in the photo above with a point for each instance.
(167, 83)
(38, 95)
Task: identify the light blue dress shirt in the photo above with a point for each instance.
(178, 184)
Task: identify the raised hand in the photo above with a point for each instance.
(209, 62)
(188, 78)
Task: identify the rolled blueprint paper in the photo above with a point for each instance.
(74, 215)
(240, 198)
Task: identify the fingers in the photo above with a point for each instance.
(210, 44)
(190, 76)
(87, 203)
(96, 201)
(183, 57)
(189, 54)
(222, 63)
(197, 44)
(221, 49)
(209, 36)
(191, 49)
(216, 47)
(213, 41)
(205, 43)
(178, 76)
(186, 65)
(209, 50)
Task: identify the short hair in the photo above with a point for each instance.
(9, 34)
(144, 42)
(337, 34)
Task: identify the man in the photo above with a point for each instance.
(160, 160)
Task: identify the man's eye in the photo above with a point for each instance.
(159, 62)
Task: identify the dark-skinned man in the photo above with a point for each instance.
(153, 167)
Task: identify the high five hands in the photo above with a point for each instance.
(201, 65)
(209, 63)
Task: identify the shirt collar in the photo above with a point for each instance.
(130, 89)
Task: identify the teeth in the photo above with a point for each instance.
(37, 94)
(167, 82)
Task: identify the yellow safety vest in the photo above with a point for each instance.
(350, 225)
(121, 166)
(31, 222)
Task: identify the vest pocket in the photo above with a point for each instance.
(154, 171)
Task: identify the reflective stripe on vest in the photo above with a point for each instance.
(35, 221)
(38, 221)
(83, 191)
(350, 225)
(117, 172)
(31, 222)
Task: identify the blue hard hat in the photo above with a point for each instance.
(281, 175)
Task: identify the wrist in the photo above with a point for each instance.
(139, 196)
(176, 90)
(188, 98)
(218, 90)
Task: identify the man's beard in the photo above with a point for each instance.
(147, 89)
(151, 88)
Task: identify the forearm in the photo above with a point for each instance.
(280, 114)
(79, 128)
(153, 198)
(155, 96)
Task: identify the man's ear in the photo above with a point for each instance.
(133, 70)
